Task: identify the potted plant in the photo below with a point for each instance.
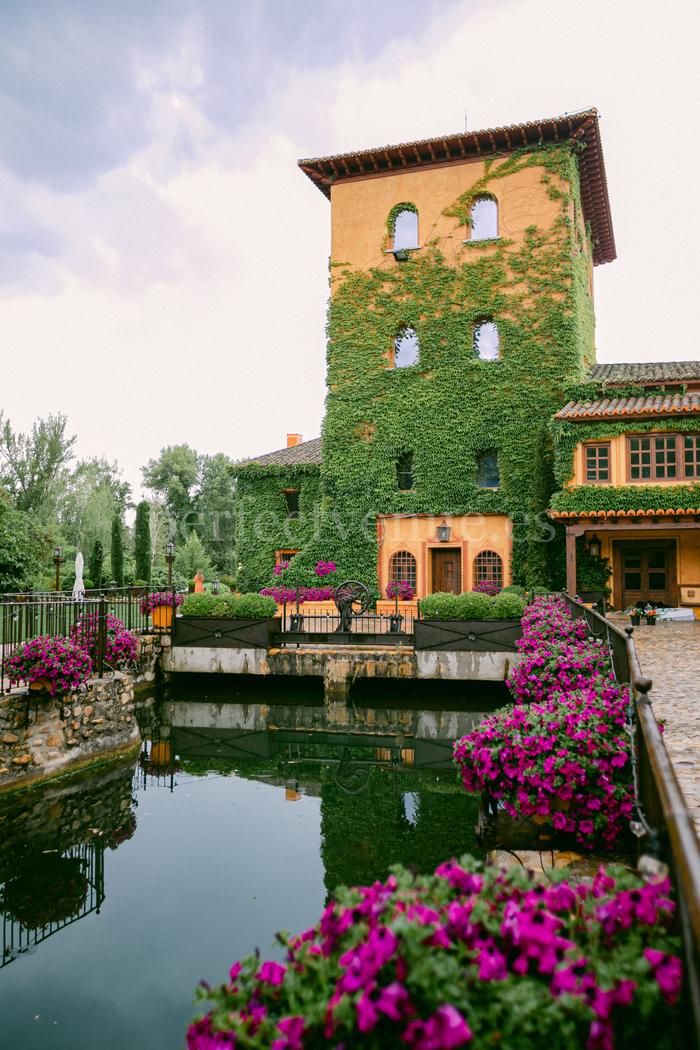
(160, 606)
(650, 614)
(634, 614)
(52, 665)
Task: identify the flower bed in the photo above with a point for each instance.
(469, 956)
(57, 663)
(121, 646)
(158, 599)
(565, 759)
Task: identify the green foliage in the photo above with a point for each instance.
(33, 466)
(174, 476)
(475, 606)
(514, 588)
(215, 509)
(191, 558)
(261, 525)
(627, 497)
(508, 606)
(440, 606)
(117, 550)
(96, 562)
(240, 606)
(142, 542)
(592, 571)
(23, 547)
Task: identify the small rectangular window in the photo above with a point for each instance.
(597, 462)
(404, 471)
(291, 498)
(691, 456)
(487, 472)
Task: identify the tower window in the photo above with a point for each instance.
(404, 471)
(487, 341)
(488, 568)
(487, 475)
(405, 229)
(291, 499)
(406, 348)
(484, 219)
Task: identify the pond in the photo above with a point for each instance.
(124, 888)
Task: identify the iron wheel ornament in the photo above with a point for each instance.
(346, 596)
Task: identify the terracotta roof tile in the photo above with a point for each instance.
(406, 156)
(306, 452)
(641, 372)
(632, 407)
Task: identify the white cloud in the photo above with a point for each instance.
(181, 296)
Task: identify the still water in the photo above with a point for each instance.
(122, 889)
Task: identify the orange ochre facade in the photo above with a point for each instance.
(417, 534)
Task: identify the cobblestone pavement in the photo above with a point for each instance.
(669, 654)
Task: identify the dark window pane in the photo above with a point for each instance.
(292, 501)
(657, 559)
(406, 348)
(633, 560)
(633, 581)
(487, 476)
(657, 581)
(404, 471)
(406, 229)
(402, 568)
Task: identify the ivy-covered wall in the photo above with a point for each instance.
(451, 406)
(261, 525)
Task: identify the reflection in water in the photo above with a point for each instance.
(249, 814)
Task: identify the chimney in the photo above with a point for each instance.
(293, 439)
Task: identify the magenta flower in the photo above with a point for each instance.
(271, 973)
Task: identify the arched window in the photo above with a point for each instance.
(406, 348)
(402, 567)
(484, 219)
(487, 475)
(488, 568)
(405, 229)
(487, 341)
(404, 471)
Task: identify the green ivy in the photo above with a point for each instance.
(450, 406)
(583, 498)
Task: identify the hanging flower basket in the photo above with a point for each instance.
(160, 606)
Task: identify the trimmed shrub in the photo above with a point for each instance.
(514, 588)
(440, 606)
(475, 606)
(508, 606)
(250, 606)
(237, 606)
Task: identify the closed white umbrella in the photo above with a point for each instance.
(78, 586)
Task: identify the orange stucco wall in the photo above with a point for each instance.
(360, 208)
(471, 533)
(618, 463)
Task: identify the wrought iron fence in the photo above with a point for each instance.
(17, 939)
(663, 822)
(27, 616)
(296, 625)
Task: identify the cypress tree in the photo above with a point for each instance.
(142, 542)
(117, 550)
(96, 558)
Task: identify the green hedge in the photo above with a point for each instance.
(627, 497)
(238, 606)
(471, 605)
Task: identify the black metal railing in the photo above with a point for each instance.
(663, 822)
(18, 939)
(296, 625)
(27, 616)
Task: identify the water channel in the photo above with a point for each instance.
(122, 889)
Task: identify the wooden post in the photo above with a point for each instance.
(570, 562)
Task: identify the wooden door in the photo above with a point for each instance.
(647, 573)
(447, 570)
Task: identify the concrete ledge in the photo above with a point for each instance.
(466, 666)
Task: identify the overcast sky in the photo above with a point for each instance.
(163, 262)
